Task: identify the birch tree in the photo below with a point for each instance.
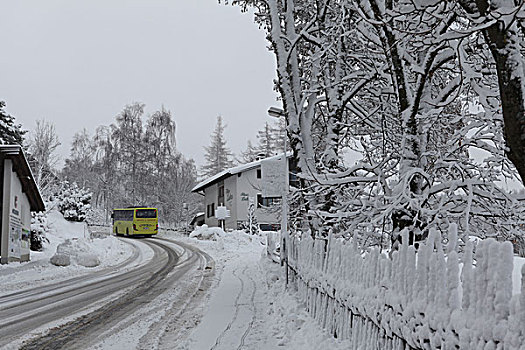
(135, 161)
(42, 146)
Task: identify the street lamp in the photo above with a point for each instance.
(279, 113)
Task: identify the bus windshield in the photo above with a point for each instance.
(146, 213)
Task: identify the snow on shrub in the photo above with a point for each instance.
(76, 251)
(39, 228)
(96, 217)
(207, 233)
(73, 201)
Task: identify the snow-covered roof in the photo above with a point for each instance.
(21, 166)
(232, 171)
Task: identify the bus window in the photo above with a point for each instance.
(146, 213)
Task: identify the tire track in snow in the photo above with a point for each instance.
(254, 313)
(235, 315)
(153, 338)
(80, 332)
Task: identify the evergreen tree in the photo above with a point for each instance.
(278, 133)
(218, 156)
(250, 154)
(10, 133)
(266, 140)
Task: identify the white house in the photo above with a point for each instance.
(235, 188)
(20, 196)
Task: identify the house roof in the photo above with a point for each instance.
(232, 171)
(21, 167)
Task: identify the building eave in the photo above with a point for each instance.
(233, 171)
(21, 167)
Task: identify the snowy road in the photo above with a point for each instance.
(129, 291)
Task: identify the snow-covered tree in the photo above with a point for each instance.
(270, 141)
(79, 164)
(130, 150)
(73, 201)
(39, 229)
(218, 156)
(266, 141)
(42, 143)
(396, 82)
(10, 133)
(135, 162)
(502, 28)
(250, 154)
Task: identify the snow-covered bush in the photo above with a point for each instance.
(96, 217)
(39, 228)
(73, 201)
(207, 233)
(75, 251)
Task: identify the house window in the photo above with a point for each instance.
(267, 201)
(259, 173)
(210, 210)
(220, 195)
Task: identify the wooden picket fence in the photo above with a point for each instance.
(414, 300)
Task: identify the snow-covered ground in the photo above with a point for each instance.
(110, 251)
(248, 306)
(245, 307)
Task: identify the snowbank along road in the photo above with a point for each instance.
(94, 308)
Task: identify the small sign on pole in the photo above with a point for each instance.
(222, 213)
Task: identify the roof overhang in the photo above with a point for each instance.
(22, 169)
(233, 171)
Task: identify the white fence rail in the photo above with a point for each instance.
(417, 300)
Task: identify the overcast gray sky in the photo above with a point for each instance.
(77, 63)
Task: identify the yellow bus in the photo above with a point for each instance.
(140, 221)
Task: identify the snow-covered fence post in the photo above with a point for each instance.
(412, 300)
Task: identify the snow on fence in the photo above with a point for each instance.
(416, 300)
